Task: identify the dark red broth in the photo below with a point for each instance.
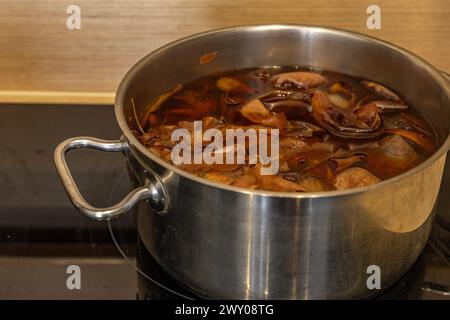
(335, 131)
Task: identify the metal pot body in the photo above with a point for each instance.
(224, 244)
(230, 243)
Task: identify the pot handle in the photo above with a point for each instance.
(101, 214)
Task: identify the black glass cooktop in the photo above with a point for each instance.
(49, 251)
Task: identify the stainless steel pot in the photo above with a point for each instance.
(227, 242)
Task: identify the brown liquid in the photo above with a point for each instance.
(329, 125)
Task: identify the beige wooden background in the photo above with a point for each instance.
(42, 61)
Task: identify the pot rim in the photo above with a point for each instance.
(124, 84)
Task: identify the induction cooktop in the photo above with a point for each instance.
(49, 251)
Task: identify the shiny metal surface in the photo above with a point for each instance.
(227, 242)
(443, 214)
(149, 191)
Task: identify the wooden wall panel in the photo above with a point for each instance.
(38, 53)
